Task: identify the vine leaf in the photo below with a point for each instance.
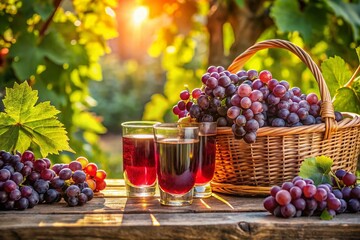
(317, 168)
(25, 123)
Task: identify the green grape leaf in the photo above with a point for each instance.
(316, 168)
(310, 22)
(325, 215)
(27, 56)
(53, 47)
(24, 123)
(347, 100)
(336, 73)
(44, 8)
(350, 12)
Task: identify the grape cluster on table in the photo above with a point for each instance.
(26, 181)
(301, 197)
(247, 101)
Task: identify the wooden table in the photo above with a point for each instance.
(111, 215)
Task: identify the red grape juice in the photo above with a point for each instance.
(206, 160)
(139, 159)
(177, 161)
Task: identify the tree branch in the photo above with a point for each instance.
(49, 20)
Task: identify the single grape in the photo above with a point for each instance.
(283, 197)
(4, 175)
(22, 204)
(15, 195)
(79, 176)
(203, 102)
(73, 201)
(340, 173)
(309, 190)
(353, 205)
(184, 95)
(47, 174)
(343, 206)
(312, 98)
(17, 178)
(245, 102)
(39, 165)
(244, 90)
(274, 190)
(251, 125)
(355, 192)
(288, 210)
(51, 196)
(88, 192)
(278, 122)
(100, 175)
(349, 179)
(83, 160)
(233, 112)
(256, 107)
(57, 183)
(196, 92)
(100, 185)
(72, 191)
(272, 84)
(338, 194)
(279, 91)
(320, 195)
(295, 192)
(285, 84)
(311, 204)
(28, 156)
(299, 203)
(41, 186)
(265, 76)
(65, 174)
(26, 191)
(75, 165)
(338, 116)
(9, 185)
(270, 204)
(333, 203)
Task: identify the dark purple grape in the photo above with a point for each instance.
(65, 174)
(181, 105)
(195, 111)
(278, 122)
(26, 191)
(353, 205)
(47, 174)
(355, 192)
(3, 197)
(207, 118)
(33, 199)
(33, 176)
(252, 74)
(333, 203)
(299, 204)
(338, 116)
(309, 120)
(28, 156)
(230, 90)
(39, 165)
(288, 211)
(279, 91)
(88, 192)
(51, 196)
(17, 178)
(283, 113)
(251, 125)
(79, 176)
(311, 204)
(295, 192)
(272, 84)
(256, 107)
(9, 186)
(10, 168)
(72, 191)
(233, 112)
(285, 84)
(4, 175)
(224, 81)
(340, 173)
(73, 201)
(343, 206)
(346, 191)
(48, 162)
(272, 99)
(349, 179)
(41, 186)
(211, 82)
(250, 137)
(203, 102)
(257, 84)
(270, 204)
(22, 203)
(293, 118)
(82, 199)
(219, 92)
(304, 104)
(18, 166)
(338, 194)
(302, 113)
(57, 183)
(15, 195)
(248, 113)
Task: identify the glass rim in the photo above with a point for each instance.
(136, 124)
(175, 125)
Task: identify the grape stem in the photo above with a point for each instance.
(336, 179)
(48, 21)
(357, 71)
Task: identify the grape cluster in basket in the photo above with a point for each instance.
(26, 181)
(247, 101)
(301, 197)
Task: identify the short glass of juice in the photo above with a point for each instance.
(177, 152)
(139, 164)
(206, 166)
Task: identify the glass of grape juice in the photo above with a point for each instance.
(206, 165)
(139, 164)
(177, 152)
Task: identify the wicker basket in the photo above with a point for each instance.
(251, 169)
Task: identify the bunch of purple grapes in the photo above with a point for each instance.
(301, 197)
(247, 101)
(26, 182)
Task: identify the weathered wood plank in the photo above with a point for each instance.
(110, 215)
(178, 226)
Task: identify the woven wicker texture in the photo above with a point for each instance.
(276, 156)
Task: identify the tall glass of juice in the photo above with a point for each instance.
(177, 152)
(206, 166)
(139, 164)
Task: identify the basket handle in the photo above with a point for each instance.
(327, 109)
